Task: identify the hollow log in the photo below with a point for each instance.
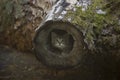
(59, 43)
(20, 18)
(51, 55)
(102, 38)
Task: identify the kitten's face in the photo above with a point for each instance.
(59, 41)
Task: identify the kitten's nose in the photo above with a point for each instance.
(61, 44)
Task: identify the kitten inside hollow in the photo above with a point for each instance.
(61, 41)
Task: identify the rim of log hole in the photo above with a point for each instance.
(59, 44)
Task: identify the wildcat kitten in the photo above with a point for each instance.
(60, 42)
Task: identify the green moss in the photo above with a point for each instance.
(91, 22)
(6, 15)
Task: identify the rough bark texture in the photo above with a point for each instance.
(19, 19)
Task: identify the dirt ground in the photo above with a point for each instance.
(15, 65)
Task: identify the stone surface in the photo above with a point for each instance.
(19, 19)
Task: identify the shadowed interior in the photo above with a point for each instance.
(69, 42)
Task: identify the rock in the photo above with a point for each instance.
(18, 21)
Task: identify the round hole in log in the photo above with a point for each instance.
(59, 44)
